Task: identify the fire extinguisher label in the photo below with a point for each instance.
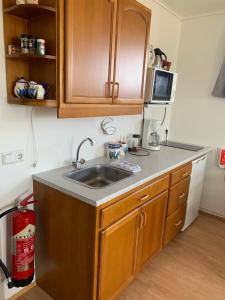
(23, 248)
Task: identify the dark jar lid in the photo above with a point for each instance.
(24, 35)
(32, 36)
(137, 136)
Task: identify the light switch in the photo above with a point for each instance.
(12, 157)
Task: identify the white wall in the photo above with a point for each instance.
(198, 117)
(58, 139)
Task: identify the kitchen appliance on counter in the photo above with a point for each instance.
(160, 86)
(195, 191)
(151, 137)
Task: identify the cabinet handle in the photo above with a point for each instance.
(141, 220)
(145, 219)
(108, 88)
(117, 89)
(185, 174)
(145, 197)
(178, 223)
(181, 196)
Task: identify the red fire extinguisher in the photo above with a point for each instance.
(23, 241)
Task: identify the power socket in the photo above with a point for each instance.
(12, 157)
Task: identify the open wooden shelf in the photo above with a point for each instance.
(32, 102)
(30, 56)
(29, 11)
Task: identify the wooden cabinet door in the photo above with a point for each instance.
(152, 230)
(88, 50)
(118, 244)
(132, 35)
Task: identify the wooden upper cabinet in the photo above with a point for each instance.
(132, 35)
(88, 50)
(153, 222)
(117, 256)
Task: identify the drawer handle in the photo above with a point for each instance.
(181, 196)
(178, 223)
(185, 174)
(145, 197)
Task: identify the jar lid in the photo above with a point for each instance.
(136, 136)
(24, 35)
(113, 145)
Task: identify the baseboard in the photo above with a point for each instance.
(23, 291)
(202, 212)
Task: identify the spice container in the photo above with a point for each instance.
(114, 150)
(24, 43)
(40, 47)
(32, 44)
(136, 141)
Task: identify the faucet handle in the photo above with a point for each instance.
(82, 161)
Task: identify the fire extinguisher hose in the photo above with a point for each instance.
(7, 274)
(8, 212)
(2, 265)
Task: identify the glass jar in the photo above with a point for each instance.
(32, 44)
(40, 47)
(114, 150)
(24, 43)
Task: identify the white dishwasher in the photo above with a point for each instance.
(195, 190)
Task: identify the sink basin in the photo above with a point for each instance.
(98, 176)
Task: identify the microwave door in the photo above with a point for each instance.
(162, 86)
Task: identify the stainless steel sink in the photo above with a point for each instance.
(98, 176)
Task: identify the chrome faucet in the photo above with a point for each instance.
(81, 161)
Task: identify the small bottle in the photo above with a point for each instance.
(32, 44)
(24, 43)
(40, 47)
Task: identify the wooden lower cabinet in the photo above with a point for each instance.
(175, 223)
(118, 245)
(91, 253)
(152, 231)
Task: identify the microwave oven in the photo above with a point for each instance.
(160, 86)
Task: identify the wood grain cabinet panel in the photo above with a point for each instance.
(178, 195)
(89, 32)
(132, 34)
(174, 223)
(137, 198)
(118, 245)
(153, 214)
(180, 174)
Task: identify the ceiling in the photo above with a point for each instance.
(188, 8)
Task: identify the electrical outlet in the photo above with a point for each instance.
(12, 157)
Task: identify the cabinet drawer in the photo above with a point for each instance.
(125, 205)
(174, 223)
(181, 174)
(178, 195)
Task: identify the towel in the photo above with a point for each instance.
(219, 88)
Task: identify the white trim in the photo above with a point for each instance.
(210, 212)
(217, 12)
(184, 18)
(173, 12)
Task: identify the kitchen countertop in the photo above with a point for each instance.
(158, 163)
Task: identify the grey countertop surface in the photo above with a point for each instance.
(156, 164)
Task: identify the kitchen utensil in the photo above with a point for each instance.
(37, 91)
(20, 88)
(159, 58)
